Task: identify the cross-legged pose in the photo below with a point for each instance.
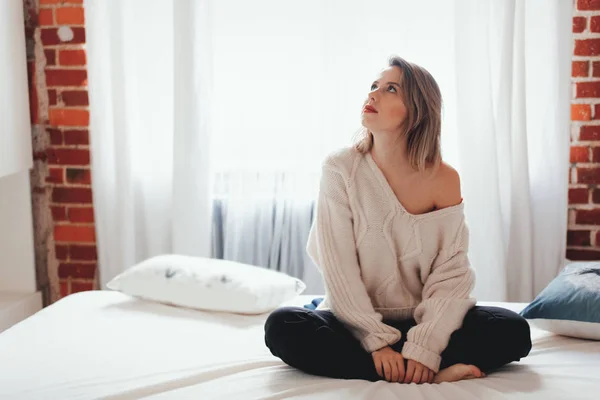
(390, 239)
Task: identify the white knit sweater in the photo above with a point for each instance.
(381, 262)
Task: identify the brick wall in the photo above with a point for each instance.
(61, 181)
(583, 236)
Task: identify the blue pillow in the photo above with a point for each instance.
(314, 304)
(570, 304)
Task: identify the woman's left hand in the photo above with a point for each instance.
(418, 373)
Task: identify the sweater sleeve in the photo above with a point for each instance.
(445, 302)
(332, 247)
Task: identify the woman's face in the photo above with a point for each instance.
(384, 109)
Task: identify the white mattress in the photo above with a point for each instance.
(107, 345)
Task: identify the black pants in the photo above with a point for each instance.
(317, 343)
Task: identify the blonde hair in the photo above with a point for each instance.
(423, 124)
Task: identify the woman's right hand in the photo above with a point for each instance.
(389, 364)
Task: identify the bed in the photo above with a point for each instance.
(108, 345)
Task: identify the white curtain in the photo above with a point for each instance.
(276, 85)
(513, 62)
(149, 79)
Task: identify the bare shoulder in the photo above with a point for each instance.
(447, 187)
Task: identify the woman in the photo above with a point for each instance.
(390, 239)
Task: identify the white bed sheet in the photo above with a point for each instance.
(108, 345)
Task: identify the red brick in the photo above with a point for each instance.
(81, 214)
(579, 154)
(46, 17)
(578, 238)
(596, 198)
(72, 195)
(596, 111)
(68, 117)
(56, 136)
(580, 68)
(581, 112)
(83, 253)
(595, 69)
(583, 255)
(33, 97)
(587, 89)
(78, 234)
(595, 24)
(76, 270)
(62, 252)
(589, 132)
(50, 36)
(79, 176)
(55, 175)
(75, 137)
(578, 196)
(66, 77)
(70, 16)
(78, 286)
(52, 97)
(75, 97)
(587, 217)
(588, 175)
(72, 57)
(588, 4)
(579, 24)
(30, 21)
(69, 156)
(595, 154)
(50, 56)
(59, 213)
(64, 288)
(587, 47)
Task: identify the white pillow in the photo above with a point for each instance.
(208, 284)
(578, 329)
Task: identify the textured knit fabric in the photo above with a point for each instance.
(380, 262)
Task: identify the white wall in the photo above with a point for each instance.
(15, 127)
(17, 263)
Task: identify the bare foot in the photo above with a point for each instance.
(458, 372)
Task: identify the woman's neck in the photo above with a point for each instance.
(389, 151)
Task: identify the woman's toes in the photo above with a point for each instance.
(458, 372)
